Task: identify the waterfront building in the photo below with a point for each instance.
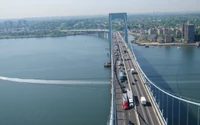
(168, 38)
(160, 40)
(151, 31)
(189, 32)
(165, 31)
(183, 31)
(178, 34)
(160, 31)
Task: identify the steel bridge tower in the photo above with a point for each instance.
(113, 16)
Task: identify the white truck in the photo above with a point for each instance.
(143, 100)
(132, 70)
(119, 63)
(130, 98)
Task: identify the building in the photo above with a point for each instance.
(152, 37)
(189, 33)
(165, 31)
(160, 40)
(160, 31)
(178, 34)
(197, 38)
(183, 31)
(22, 22)
(168, 38)
(151, 31)
(8, 23)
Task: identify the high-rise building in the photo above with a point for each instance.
(151, 31)
(165, 31)
(189, 33)
(178, 34)
(183, 30)
(160, 31)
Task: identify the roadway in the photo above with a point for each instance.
(123, 116)
(147, 114)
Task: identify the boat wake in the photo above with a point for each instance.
(56, 82)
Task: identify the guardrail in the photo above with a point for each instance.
(113, 115)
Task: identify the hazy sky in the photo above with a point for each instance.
(40, 8)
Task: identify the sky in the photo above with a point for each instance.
(48, 8)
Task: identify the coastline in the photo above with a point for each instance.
(36, 36)
(168, 44)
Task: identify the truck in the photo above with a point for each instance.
(130, 98)
(121, 76)
(119, 63)
(125, 101)
(143, 100)
(133, 71)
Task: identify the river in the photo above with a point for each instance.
(54, 81)
(174, 69)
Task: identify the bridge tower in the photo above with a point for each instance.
(113, 16)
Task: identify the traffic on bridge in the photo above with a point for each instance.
(134, 106)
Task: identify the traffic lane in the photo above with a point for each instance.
(148, 112)
(152, 117)
(131, 114)
(142, 113)
(122, 115)
(145, 117)
(149, 109)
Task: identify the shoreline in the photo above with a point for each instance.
(168, 44)
(47, 36)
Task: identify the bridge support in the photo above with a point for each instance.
(113, 16)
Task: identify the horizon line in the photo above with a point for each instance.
(97, 15)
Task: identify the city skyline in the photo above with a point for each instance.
(51, 8)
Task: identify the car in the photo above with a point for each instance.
(129, 122)
(124, 90)
(123, 86)
(133, 83)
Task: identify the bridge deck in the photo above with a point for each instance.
(147, 114)
(123, 115)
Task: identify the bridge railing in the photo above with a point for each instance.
(176, 110)
(113, 115)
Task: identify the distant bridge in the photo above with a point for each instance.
(86, 30)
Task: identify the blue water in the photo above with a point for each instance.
(73, 58)
(177, 67)
(176, 70)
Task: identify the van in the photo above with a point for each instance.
(143, 100)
